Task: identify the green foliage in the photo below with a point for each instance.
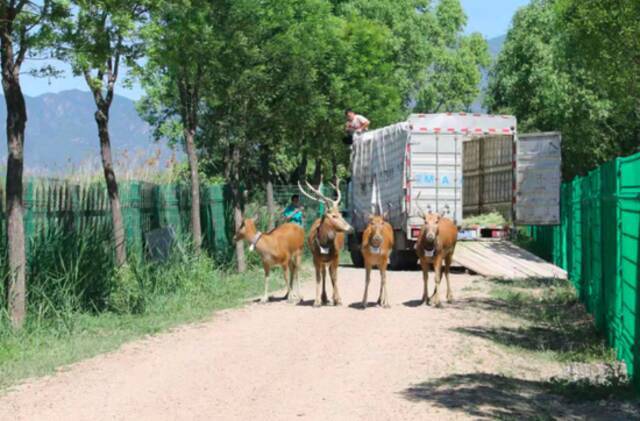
(279, 77)
(563, 68)
(493, 218)
(186, 288)
(100, 36)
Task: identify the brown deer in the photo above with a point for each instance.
(377, 244)
(436, 245)
(282, 247)
(326, 239)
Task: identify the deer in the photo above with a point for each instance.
(435, 246)
(325, 240)
(377, 244)
(282, 247)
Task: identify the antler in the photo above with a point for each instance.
(420, 207)
(319, 197)
(336, 187)
(445, 211)
(307, 194)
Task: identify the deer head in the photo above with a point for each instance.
(332, 216)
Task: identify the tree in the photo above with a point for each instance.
(24, 26)
(177, 77)
(550, 79)
(99, 38)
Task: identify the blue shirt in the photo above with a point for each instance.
(295, 214)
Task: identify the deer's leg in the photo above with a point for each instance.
(425, 277)
(384, 297)
(325, 299)
(367, 279)
(287, 279)
(447, 263)
(319, 283)
(296, 274)
(437, 266)
(267, 272)
(287, 285)
(333, 269)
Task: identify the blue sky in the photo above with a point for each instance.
(489, 17)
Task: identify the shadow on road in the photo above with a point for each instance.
(492, 396)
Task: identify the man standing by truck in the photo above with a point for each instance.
(356, 123)
(293, 212)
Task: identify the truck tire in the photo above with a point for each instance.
(357, 258)
(403, 260)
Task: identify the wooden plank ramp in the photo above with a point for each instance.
(503, 259)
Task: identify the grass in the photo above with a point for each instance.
(546, 321)
(80, 306)
(556, 324)
(41, 347)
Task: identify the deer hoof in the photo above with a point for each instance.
(386, 305)
(317, 304)
(337, 302)
(450, 299)
(264, 300)
(364, 305)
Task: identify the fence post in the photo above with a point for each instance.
(130, 199)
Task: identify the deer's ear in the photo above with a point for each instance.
(385, 216)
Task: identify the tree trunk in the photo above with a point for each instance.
(334, 168)
(237, 207)
(271, 207)
(16, 122)
(300, 173)
(102, 119)
(196, 230)
(240, 256)
(317, 173)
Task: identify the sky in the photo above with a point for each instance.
(489, 17)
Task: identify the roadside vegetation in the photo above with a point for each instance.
(81, 306)
(544, 319)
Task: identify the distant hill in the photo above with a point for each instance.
(61, 131)
(495, 46)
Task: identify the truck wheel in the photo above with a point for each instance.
(403, 260)
(356, 258)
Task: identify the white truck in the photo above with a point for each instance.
(456, 163)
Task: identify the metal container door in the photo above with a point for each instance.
(538, 178)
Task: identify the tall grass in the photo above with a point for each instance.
(80, 305)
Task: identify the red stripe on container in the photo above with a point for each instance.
(437, 130)
(492, 130)
(451, 130)
(506, 130)
(423, 129)
(478, 130)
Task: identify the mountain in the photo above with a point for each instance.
(61, 131)
(495, 46)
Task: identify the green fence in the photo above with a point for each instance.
(51, 203)
(598, 243)
(67, 206)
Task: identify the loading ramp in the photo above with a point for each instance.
(503, 259)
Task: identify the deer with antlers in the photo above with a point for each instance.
(326, 239)
(435, 246)
(282, 247)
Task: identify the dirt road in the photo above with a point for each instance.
(278, 361)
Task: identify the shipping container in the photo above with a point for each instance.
(457, 164)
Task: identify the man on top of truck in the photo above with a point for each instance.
(356, 123)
